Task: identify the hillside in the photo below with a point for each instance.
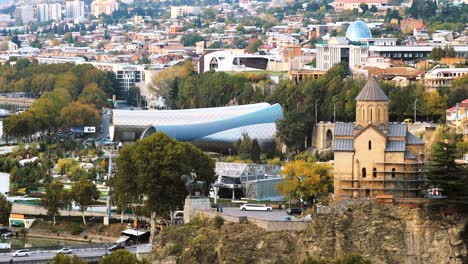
(380, 233)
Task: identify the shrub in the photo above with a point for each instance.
(312, 260)
(176, 249)
(218, 221)
(75, 229)
(352, 258)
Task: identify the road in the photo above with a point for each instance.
(83, 253)
(273, 215)
(105, 126)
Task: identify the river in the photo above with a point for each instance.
(27, 242)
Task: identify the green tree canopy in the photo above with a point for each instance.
(5, 210)
(55, 198)
(84, 193)
(64, 259)
(444, 172)
(155, 165)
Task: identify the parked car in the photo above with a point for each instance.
(255, 207)
(115, 247)
(64, 251)
(21, 253)
(294, 211)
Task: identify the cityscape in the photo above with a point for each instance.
(234, 131)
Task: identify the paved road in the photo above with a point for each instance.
(273, 215)
(91, 252)
(105, 126)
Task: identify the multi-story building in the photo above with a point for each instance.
(24, 14)
(339, 49)
(43, 12)
(107, 7)
(340, 5)
(181, 11)
(442, 77)
(74, 10)
(46, 12)
(372, 155)
(55, 11)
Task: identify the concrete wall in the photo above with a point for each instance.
(268, 225)
(191, 204)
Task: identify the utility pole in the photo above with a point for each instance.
(334, 110)
(316, 100)
(415, 107)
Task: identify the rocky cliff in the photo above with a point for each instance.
(380, 233)
(388, 234)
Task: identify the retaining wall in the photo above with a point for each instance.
(268, 225)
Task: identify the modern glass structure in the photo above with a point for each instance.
(214, 128)
(358, 30)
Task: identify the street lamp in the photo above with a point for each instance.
(109, 146)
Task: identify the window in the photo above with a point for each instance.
(378, 115)
(374, 172)
(370, 115)
(363, 114)
(370, 145)
(363, 172)
(393, 172)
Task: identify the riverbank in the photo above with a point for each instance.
(72, 231)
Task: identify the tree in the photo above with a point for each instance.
(253, 46)
(364, 7)
(77, 114)
(5, 210)
(121, 256)
(306, 179)
(190, 39)
(64, 259)
(84, 193)
(156, 165)
(55, 197)
(256, 151)
(92, 94)
(444, 172)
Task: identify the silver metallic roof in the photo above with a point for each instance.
(372, 92)
(409, 155)
(397, 130)
(395, 146)
(413, 140)
(343, 145)
(344, 129)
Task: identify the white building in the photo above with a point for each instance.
(181, 11)
(55, 12)
(442, 77)
(43, 12)
(235, 61)
(75, 10)
(25, 14)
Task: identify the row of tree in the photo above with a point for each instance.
(70, 96)
(83, 193)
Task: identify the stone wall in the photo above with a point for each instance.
(267, 225)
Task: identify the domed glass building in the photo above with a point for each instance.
(358, 30)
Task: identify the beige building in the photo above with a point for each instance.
(373, 156)
(103, 7)
(181, 11)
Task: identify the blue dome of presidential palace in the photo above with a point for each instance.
(358, 30)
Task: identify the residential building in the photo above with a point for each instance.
(46, 12)
(181, 11)
(24, 14)
(339, 49)
(107, 7)
(74, 10)
(340, 5)
(373, 156)
(457, 114)
(442, 77)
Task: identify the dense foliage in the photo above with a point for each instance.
(69, 95)
(152, 168)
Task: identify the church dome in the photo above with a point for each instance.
(358, 30)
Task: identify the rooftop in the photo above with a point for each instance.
(372, 92)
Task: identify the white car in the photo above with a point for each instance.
(64, 251)
(21, 253)
(255, 207)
